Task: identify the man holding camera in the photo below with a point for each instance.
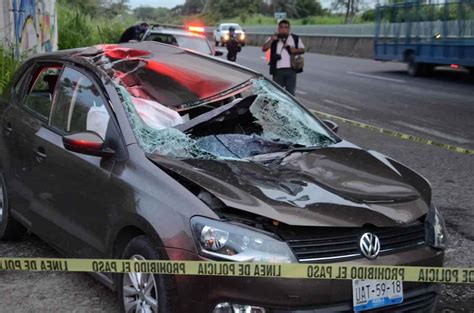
(284, 47)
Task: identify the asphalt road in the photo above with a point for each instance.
(440, 108)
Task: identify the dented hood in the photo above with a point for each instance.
(326, 187)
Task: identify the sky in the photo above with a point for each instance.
(156, 3)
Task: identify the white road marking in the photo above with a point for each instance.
(377, 77)
(433, 132)
(340, 105)
(301, 92)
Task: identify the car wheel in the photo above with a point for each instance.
(144, 292)
(9, 228)
(414, 68)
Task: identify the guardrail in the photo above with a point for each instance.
(315, 30)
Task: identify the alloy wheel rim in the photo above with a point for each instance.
(140, 294)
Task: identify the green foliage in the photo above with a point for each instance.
(110, 32)
(77, 29)
(306, 8)
(74, 29)
(8, 66)
(193, 7)
(227, 9)
(97, 8)
(258, 19)
(368, 16)
(148, 13)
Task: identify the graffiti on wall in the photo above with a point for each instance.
(33, 25)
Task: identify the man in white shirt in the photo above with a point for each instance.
(282, 45)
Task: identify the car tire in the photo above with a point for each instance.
(414, 68)
(10, 229)
(162, 287)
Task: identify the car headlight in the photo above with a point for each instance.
(436, 235)
(226, 241)
(242, 36)
(226, 37)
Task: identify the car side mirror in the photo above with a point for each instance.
(218, 53)
(332, 126)
(87, 142)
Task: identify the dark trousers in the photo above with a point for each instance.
(286, 77)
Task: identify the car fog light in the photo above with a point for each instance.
(227, 307)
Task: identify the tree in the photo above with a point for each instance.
(117, 7)
(92, 7)
(148, 13)
(351, 7)
(193, 7)
(306, 8)
(226, 8)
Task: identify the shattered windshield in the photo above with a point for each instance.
(257, 120)
(185, 106)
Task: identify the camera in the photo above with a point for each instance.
(277, 56)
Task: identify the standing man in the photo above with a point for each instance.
(282, 45)
(233, 46)
(134, 32)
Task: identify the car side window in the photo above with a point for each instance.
(79, 105)
(41, 90)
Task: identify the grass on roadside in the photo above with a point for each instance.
(77, 29)
(259, 19)
(8, 66)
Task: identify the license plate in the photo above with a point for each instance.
(371, 294)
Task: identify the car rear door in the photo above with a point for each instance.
(26, 116)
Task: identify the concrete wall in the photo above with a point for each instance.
(29, 26)
(352, 46)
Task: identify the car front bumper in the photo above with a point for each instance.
(283, 295)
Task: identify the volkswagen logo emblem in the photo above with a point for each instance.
(369, 245)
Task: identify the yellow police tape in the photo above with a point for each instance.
(244, 269)
(395, 133)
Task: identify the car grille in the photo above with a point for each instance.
(420, 303)
(414, 301)
(343, 243)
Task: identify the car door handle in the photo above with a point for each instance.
(40, 154)
(8, 129)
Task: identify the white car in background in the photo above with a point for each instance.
(221, 33)
(189, 37)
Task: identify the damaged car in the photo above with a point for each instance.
(146, 151)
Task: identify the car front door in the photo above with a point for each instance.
(75, 186)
